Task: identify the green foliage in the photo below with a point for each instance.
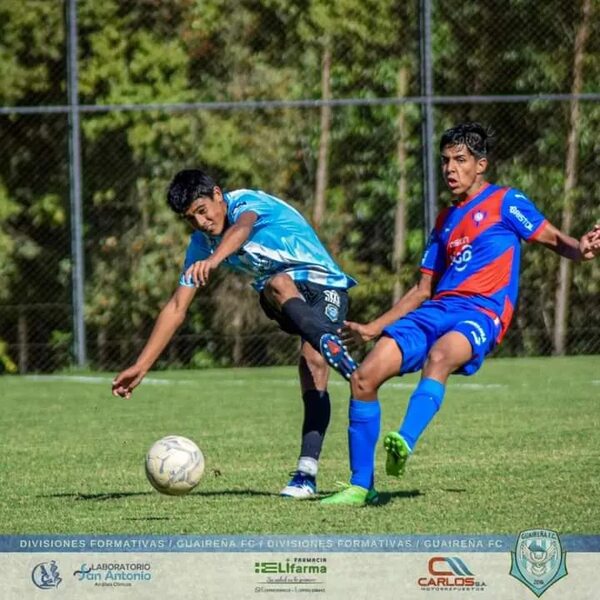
(202, 359)
(60, 348)
(8, 246)
(31, 49)
(6, 363)
(147, 52)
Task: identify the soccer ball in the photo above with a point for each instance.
(174, 465)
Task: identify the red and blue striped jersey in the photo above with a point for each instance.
(474, 250)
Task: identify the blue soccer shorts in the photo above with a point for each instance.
(417, 332)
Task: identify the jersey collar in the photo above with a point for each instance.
(468, 199)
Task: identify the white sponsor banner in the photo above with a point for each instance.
(534, 564)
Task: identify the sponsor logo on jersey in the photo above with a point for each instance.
(332, 297)
(459, 242)
(332, 312)
(477, 333)
(461, 259)
(519, 216)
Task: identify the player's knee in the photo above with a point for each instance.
(439, 361)
(279, 286)
(362, 385)
(269, 292)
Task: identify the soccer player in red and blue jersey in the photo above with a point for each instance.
(457, 313)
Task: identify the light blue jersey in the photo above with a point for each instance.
(281, 241)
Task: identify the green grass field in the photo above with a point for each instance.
(515, 447)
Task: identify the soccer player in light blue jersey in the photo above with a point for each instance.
(457, 313)
(299, 285)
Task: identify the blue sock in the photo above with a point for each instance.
(363, 433)
(422, 406)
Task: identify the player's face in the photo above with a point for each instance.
(463, 172)
(208, 215)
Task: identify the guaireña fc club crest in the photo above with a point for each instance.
(538, 560)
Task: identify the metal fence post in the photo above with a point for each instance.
(77, 271)
(427, 128)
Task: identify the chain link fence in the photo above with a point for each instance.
(322, 104)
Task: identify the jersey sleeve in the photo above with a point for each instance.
(522, 216)
(198, 249)
(434, 257)
(245, 202)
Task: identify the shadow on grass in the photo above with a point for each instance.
(103, 496)
(117, 495)
(387, 497)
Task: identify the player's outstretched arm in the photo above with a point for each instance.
(357, 333)
(586, 248)
(233, 238)
(169, 320)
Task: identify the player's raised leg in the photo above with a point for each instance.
(311, 322)
(449, 353)
(314, 373)
(382, 363)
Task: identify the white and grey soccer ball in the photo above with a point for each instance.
(174, 465)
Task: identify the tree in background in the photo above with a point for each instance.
(354, 169)
(571, 177)
(531, 153)
(34, 243)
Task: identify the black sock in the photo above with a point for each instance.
(317, 411)
(306, 320)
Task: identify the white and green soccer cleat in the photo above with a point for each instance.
(353, 495)
(398, 452)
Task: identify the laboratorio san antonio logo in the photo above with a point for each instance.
(538, 560)
(114, 574)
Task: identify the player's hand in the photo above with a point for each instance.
(589, 244)
(125, 382)
(353, 334)
(199, 272)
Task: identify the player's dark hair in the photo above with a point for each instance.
(477, 138)
(189, 185)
